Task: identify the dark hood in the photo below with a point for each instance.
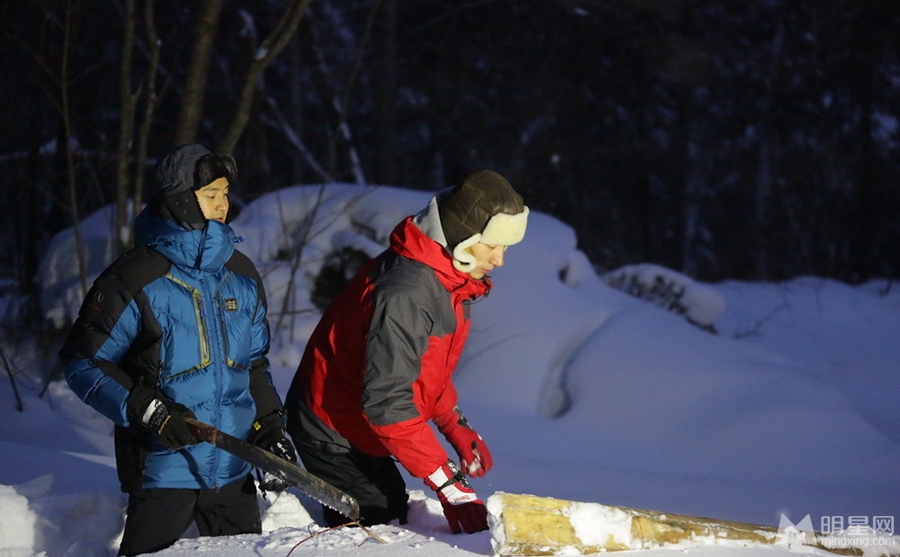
(175, 171)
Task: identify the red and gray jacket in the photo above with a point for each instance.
(378, 367)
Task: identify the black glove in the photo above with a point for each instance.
(167, 423)
(164, 419)
(268, 434)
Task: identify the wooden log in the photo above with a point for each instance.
(531, 525)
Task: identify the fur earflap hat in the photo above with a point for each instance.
(483, 208)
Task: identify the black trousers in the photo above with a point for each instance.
(157, 518)
(374, 482)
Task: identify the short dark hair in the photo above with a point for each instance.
(212, 166)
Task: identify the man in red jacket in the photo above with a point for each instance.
(378, 367)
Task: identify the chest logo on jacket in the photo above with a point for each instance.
(230, 304)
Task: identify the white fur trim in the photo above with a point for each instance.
(505, 230)
(462, 259)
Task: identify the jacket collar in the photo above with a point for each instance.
(196, 251)
(409, 240)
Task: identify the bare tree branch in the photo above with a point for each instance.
(281, 123)
(270, 48)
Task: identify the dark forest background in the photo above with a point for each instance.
(725, 139)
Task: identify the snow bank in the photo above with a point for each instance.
(18, 527)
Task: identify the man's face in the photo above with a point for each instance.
(213, 199)
(486, 258)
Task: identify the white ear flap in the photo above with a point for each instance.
(462, 259)
(505, 230)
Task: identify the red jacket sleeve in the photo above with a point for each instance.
(415, 445)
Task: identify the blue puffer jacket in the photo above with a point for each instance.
(191, 324)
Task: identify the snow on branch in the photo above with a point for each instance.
(701, 305)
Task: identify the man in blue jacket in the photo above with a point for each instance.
(176, 328)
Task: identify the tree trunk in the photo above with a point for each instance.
(863, 263)
(195, 85)
(126, 132)
(150, 103)
(684, 209)
(66, 145)
(296, 119)
(385, 93)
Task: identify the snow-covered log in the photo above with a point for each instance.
(531, 525)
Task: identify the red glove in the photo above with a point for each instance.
(474, 456)
(462, 508)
